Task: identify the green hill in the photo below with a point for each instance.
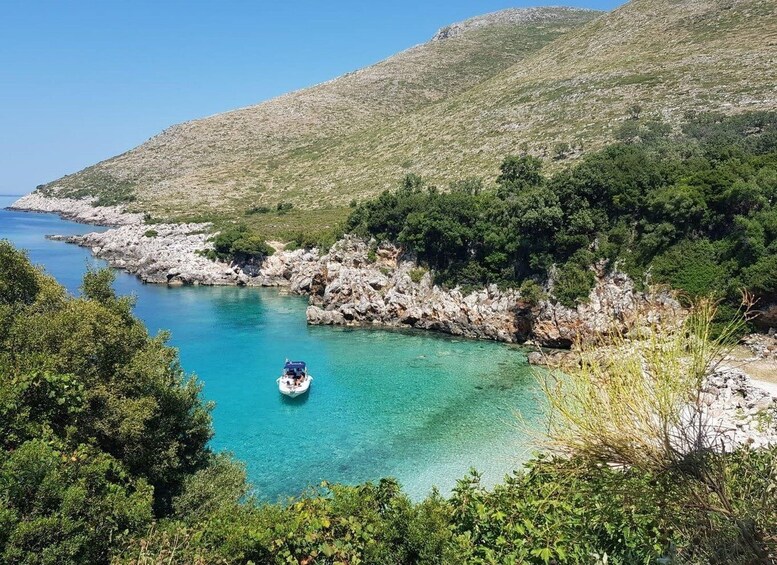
(555, 82)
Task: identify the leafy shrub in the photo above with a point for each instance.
(257, 210)
(239, 244)
(573, 284)
(531, 292)
(284, 207)
(417, 274)
(120, 195)
(322, 239)
(19, 281)
(694, 267)
(99, 428)
(150, 233)
(563, 511)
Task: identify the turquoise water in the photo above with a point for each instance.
(416, 406)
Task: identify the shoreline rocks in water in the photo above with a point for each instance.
(168, 257)
(169, 254)
(349, 289)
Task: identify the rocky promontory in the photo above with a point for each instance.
(354, 284)
(358, 282)
(173, 254)
(81, 210)
(163, 253)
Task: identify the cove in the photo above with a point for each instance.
(420, 407)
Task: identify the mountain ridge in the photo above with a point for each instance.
(452, 108)
(419, 75)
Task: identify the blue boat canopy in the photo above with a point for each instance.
(294, 365)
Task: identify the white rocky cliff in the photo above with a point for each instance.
(348, 288)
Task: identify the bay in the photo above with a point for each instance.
(420, 407)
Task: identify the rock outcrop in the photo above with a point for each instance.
(171, 254)
(163, 253)
(350, 288)
(82, 210)
(508, 17)
(739, 412)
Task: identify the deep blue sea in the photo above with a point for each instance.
(416, 406)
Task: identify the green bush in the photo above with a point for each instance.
(99, 428)
(573, 284)
(417, 274)
(284, 207)
(150, 233)
(257, 210)
(698, 211)
(531, 292)
(19, 281)
(695, 267)
(237, 243)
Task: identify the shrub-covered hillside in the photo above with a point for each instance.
(695, 208)
(104, 458)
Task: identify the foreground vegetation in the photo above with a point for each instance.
(104, 457)
(696, 209)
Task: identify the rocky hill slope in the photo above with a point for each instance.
(246, 156)
(553, 81)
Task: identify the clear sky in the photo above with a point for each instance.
(83, 81)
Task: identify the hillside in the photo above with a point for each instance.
(248, 155)
(453, 107)
(666, 57)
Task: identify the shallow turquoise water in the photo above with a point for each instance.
(417, 406)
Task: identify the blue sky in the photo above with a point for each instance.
(83, 81)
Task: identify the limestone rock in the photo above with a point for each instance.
(77, 210)
(740, 413)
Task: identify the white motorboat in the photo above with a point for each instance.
(295, 379)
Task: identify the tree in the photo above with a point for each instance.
(517, 172)
(18, 279)
(239, 244)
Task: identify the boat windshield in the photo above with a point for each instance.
(294, 369)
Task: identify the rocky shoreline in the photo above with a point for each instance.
(348, 287)
(356, 282)
(359, 283)
(740, 412)
(82, 211)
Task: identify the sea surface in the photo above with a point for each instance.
(420, 407)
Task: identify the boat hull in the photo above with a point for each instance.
(287, 387)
